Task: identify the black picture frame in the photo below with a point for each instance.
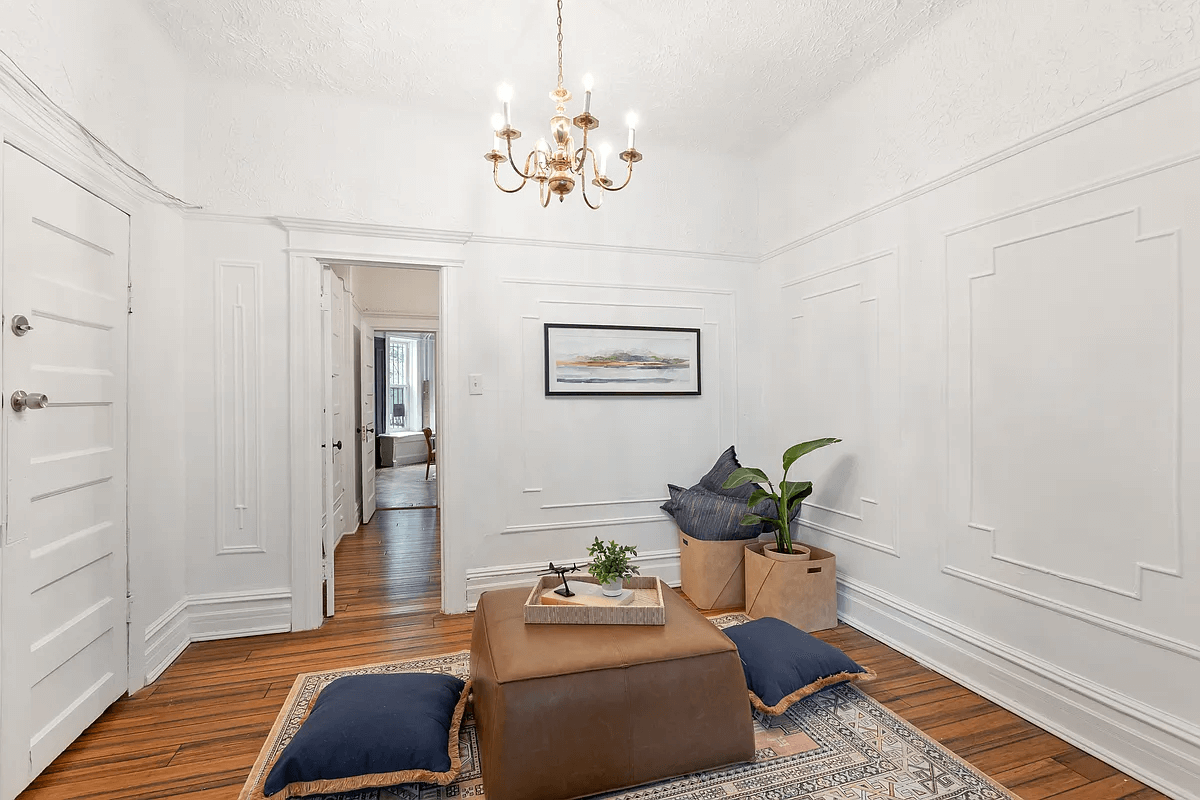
(556, 390)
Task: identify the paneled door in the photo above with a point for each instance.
(63, 637)
(367, 372)
(335, 350)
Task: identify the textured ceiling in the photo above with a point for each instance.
(724, 74)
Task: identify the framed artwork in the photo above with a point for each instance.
(615, 360)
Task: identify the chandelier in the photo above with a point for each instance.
(555, 168)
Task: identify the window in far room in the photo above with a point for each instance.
(409, 374)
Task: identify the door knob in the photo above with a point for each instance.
(22, 401)
(338, 445)
(20, 325)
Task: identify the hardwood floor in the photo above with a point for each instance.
(405, 487)
(195, 733)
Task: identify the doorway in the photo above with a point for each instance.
(406, 420)
(379, 418)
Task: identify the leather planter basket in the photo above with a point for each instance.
(802, 591)
(712, 574)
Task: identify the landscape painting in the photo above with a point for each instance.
(620, 360)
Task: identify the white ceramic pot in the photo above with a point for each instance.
(613, 588)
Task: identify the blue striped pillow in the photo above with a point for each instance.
(709, 516)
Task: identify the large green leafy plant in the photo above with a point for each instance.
(610, 561)
(785, 499)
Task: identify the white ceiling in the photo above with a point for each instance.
(723, 74)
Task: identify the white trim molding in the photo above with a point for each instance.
(1150, 744)
(223, 615)
(239, 360)
(1082, 121)
(663, 563)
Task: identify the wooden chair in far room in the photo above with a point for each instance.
(432, 457)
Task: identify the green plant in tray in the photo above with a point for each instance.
(610, 561)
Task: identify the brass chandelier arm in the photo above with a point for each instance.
(628, 176)
(517, 169)
(496, 178)
(583, 187)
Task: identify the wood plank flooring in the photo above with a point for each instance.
(195, 733)
(405, 486)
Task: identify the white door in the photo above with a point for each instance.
(367, 353)
(336, 350)
(63, 573)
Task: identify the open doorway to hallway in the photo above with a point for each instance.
(406, 420)
(383, 402)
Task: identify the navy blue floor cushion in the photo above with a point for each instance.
(784, 664)
(368, 731)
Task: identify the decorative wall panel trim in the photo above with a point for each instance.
(663, 563)
(960, 346)
(238, 395)
(868, 287)
(591, 503)
(743, 258)
(584, 523)
(1137, 632)
(1157, 748)
(1082, 121)
(622, 287)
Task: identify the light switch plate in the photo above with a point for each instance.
(475, 383)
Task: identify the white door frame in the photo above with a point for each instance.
(79, 169)
(306, 396)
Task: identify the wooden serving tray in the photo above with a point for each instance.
(646, 608)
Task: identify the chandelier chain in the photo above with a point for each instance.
(560, 42)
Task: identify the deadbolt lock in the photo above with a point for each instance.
(20, 325)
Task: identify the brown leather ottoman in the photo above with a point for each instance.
(564, 711)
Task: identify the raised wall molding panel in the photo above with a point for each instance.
(845, 334)
(1070, 342)
(238, 403)
(638, 431)
(663, 563)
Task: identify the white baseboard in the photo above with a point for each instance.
(663, 563)
(223, 615)
(166, 639)
(1151, 745)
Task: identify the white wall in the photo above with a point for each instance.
(110, 66)
(1008, 354)
(647, 258)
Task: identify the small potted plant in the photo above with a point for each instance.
(786, 580)
(785, 500)
(610, 565)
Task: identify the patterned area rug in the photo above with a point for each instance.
(838, 744)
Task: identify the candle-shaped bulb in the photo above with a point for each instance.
(605, 149)
(631, 120)
(505, 95)
(542, 147)
(497, 122)
(588, 82)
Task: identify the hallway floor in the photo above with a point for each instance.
(195, 733)
(405, 487)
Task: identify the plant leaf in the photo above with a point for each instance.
(744, 475)
(754, 519)
(757, 497)
(796, 491)
(804, 448)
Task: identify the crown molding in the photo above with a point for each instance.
(372, 229)
(200, 215)
(614, 248)
(1049, 135)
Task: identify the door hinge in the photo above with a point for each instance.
(128, 608)
(129, 296)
